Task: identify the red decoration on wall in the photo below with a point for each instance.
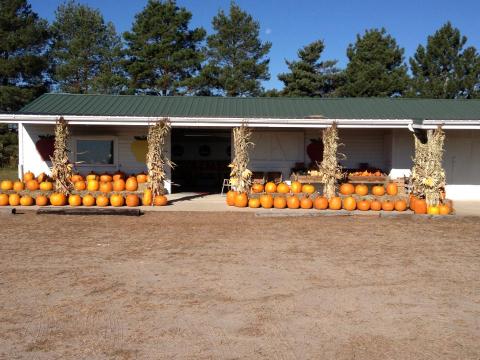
(45, 146)
(315, 150)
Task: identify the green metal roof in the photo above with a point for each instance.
(282, 107)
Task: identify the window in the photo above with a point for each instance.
(95, 152)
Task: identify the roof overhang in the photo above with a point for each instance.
(232, 122)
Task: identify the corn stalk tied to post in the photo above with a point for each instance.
(61, 166)
(240, 175)
(329, 169)
(428, 175)
(157, 159)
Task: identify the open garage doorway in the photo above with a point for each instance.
(201, 157)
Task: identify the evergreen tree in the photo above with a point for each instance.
(163, 53)
(308, 76)
(444, 68)
(23, 37)
(86, 52)
(237, 60)
(375, 66)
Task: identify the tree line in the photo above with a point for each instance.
(162, 54)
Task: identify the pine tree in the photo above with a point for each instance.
(237, 60)
(310, 77)
(163, 53)
(444, 68)
(375, 67)
(23, 37)
(86, 52)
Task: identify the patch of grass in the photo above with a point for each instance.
(8, 173)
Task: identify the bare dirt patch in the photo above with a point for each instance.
(235, 286)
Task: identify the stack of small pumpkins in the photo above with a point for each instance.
(110, 189)
(419, 206)
(352, 197)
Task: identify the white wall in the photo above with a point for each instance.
(125, 135)
(277, 150)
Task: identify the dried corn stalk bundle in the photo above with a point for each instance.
(329, 170)
(428, 175)
(61, 167)
(240, 175)
(157, 160)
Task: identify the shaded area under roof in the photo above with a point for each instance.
(222, 107)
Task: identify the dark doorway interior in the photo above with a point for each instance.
(201, 157)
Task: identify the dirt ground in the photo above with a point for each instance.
(176, 285)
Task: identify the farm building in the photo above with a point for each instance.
(108, 133)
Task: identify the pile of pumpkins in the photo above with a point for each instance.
(108, 188)
(351, 198)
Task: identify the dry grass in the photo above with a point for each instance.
(232, 285)
(329, 169)
(240, 175)
(61, 167)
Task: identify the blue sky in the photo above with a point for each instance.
(291, 24)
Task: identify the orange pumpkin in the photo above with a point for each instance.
(46, 186)
(444, 209)
(28, 176)
(147, 197)
(412, 202)
(88, 200)
(58, 199)
(119, 185)
(363, 205)
(241, 200)
(131, 184)
(160, 200)
(388, 205)
(93, 185)
(361, 189)
(376, 205)
(279, 202)
(26, 200)
(349, 203)
(270, 187)
(14, 199)
(335, 203)
(320, 203)
(92, 176)
(141, 178)
(257, 188)
(283, 188)
(400, 205)
(32, 185)
(293, 202)
(102, 200)
(74, 200)
(132, 200)
(75, 178)
(296, 187)
(41, 200)
(266, 200)
(18, 185)
(231, 195)
(308, 189)
(3, 199)
(117, 200)
(106, 187)
(80, 185)
(42, 177)
(306, 203)
(392, 189)
(106, 178)
(118, 175)
(420, 206)
(347, 189)
(254, 203)
(378, 190)
(6, 185)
